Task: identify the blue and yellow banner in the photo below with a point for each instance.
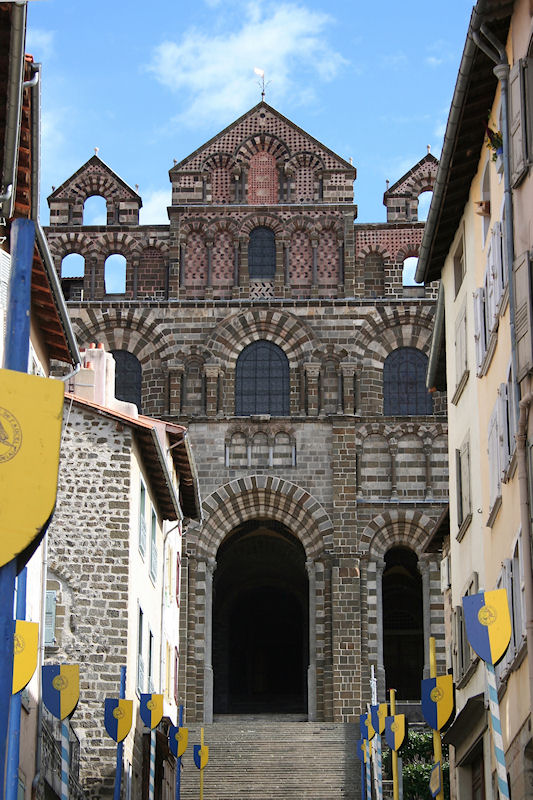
(201, 755)
(395, 731)
(360, 749)
(437, 700)
(378, 715)
(178, 740)
(31, 414)
(118, 716)
(151, 709)
(365, 727)
(25, 650)
(488, 624)
(435, 779)
(61, 688)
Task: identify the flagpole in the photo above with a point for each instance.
(497, 736)
(120, 745)
(178, 760)
(65, 759)
(377, 760)
(13, 740)
(437, 743)
(395, 786)
(201, 768)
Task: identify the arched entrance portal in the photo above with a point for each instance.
(260, 622)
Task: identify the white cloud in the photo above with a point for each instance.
(215, 72)
(154, 208)
(433, 61)
(40, 43)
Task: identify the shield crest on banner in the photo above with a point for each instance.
(201, 755)
(25, 649)
(437, 700)
(118, 716)
(178, 740)
(151, 709)
(365, 727)
(378, 714)
(488, 624)
(31, 414)
(395, 731)
(61, 688)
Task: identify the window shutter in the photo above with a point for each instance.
(178, 578)
(503, 426)
(445, 582)
(458, 488)
(496, 263)
(153, 547)
(491, 315)
(142, 519)
(460, 347)
(50, 618)
(479, 326)
(523, 313)
(465, 478)
(494, 458)
(517, 122)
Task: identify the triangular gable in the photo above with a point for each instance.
(94, 166)
(424, 169)
(262, 118)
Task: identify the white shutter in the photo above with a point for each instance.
(460, 347)
(465, 478)
(50, 618)
(445, 582)
(496, 263)
(517, 114)
(491, 314)
(479, 326)
(503, 427)
(493, 447)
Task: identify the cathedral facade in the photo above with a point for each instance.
(280, 332)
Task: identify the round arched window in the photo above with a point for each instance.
(262, 380)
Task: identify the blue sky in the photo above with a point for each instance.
(147, 83)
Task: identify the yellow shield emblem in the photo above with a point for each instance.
(25, 648)
(30, 433)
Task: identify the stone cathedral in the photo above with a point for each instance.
(280, 332)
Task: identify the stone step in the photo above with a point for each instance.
(266, 759)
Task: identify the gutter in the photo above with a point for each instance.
(525, 522)
(14, 109)
(436, 341)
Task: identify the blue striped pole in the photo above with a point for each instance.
(497, 737)
(363, 778)
(120, 745)
(368, 770)
(178, 762)
(379, 766)
(151, 786)
(65, 759)
(13, 742)
(17, 348)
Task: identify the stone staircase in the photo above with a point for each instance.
(275, 758)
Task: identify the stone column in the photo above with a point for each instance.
(424, 568)
(236, 264)
(93, 268)
(380, 568)
(135, 276)
(311, 670)
(211, 389)
(348, 400)
(428, 449)
(340, 250)
(286, 264)
(314, 273)
(312, 372)
(175, 377)
(393, 449)
(209, 276)
(183, 264)
(210, 566)
(358, 460)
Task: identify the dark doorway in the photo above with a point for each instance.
(260, 622)
(403, 634)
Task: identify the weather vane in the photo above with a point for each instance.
(261, 83)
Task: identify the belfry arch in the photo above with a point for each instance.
(263, 545)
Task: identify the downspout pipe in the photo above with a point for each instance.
(13, 108)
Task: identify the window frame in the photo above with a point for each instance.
(416, 360)
(259, 391)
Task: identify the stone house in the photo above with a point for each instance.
(126, 483)
(283, 334)
(478, 242)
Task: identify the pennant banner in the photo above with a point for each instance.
(437, 700)
(378, 714)
(201, 755)
(435, 779)
(488, 624)
(395, 731)
(31, 413)
(118, 716)
(151, 709)
(365, 727)
(25, 650)
(61, 688)
(360, 749)
(178, 740)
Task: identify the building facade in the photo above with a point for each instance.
(282, 334)
(478, 240)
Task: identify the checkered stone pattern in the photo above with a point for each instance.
(221, 180)
(222, 266)
(263, 182)
(328, 262)
(196, 275)
(259, 290)
(301, 264)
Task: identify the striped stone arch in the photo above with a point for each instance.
(67, 243)
(217, 161)
(262, 142)
(264, 497)
(89, 184)
(330, 223)
(261, 220)
(222, 226)
(389, 328)
(125, 329)
(371, 429)
(118, 242)
(300, 223)
(156, 244)
(409, 528)
(409, 250)
(306, 159)
(198, 225)
(368, 249)
(288, 332)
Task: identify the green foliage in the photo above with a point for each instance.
(417, 758)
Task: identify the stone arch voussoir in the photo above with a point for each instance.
(409, 528)
(128, 329)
